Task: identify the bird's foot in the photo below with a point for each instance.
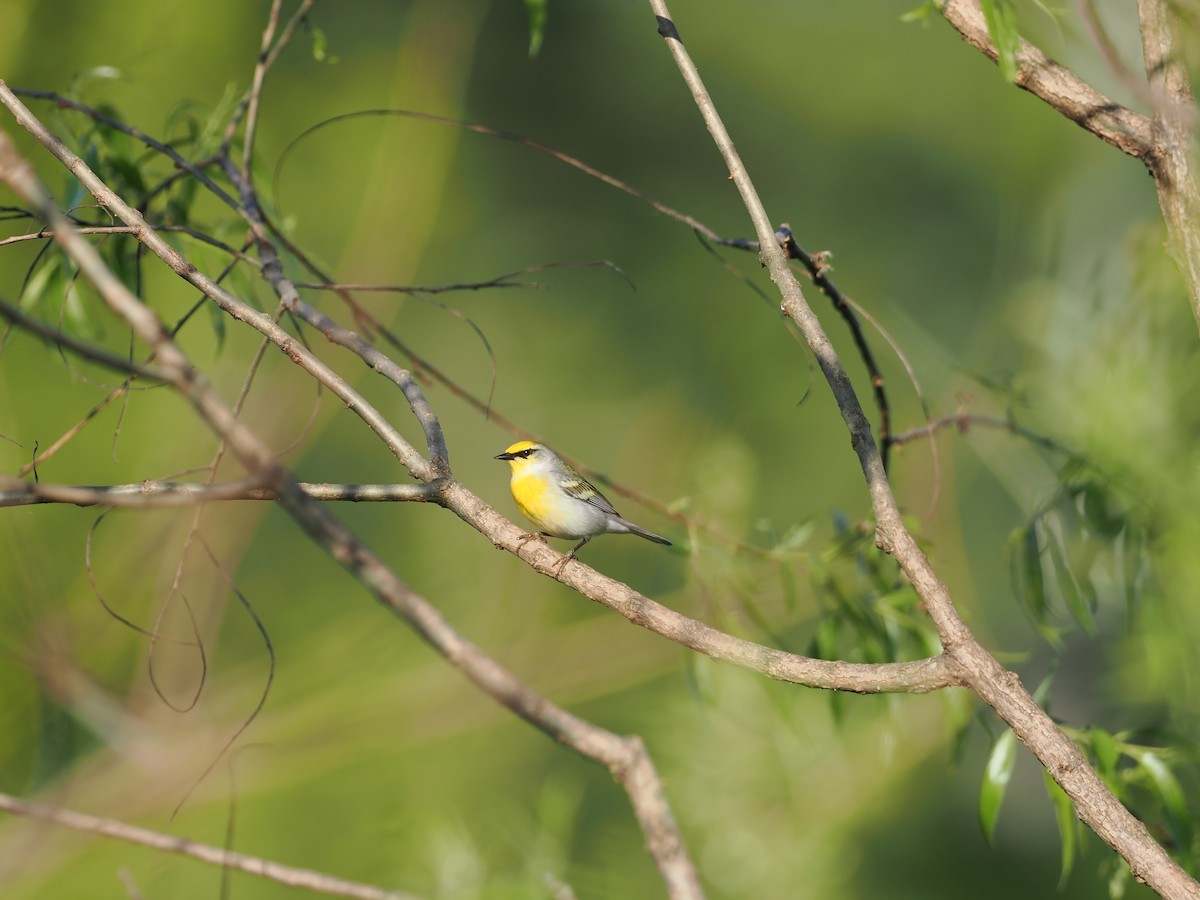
(529, 536)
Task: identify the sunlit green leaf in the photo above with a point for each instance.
(1166, 784)
(1104, 748)
(320, 44)
(996, 776)
(536, 10)
(88, 77)
(39, 282)
(1118, 881)
(794, 538)
(921, 13)
(1001, 20)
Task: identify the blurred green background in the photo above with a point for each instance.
(1016, 260)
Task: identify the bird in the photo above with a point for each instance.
(560, 502)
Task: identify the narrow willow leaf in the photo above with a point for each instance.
(37, 285)
(320, 44)
(1166, 784)
(996, 777)
(794, 538)
(1133, 553)
(1104, 748)
(1119, 880)
(787, 583)
(1064, 815)
(1043, 691)
(1001, 21)
(920, 14)
(1069, 588)
(536, 9)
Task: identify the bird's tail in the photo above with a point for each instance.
(642, 532)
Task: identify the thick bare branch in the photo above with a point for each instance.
(1058, 86)
(1001, 689)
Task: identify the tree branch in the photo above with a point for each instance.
(291, 876)
(1163, 143)
(1000, 689)
(1173, 163)
(626, 758)
(917, 676)
(240, 311)
(1056, 85)
(146, 494)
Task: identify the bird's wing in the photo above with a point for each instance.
(581, 489)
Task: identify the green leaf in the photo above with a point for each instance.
(1025, 560)
(1068, 826)
(1001, 21)
(78, 313)
(320, 44)
(536, 9)
(1166, 785)
(996, 776)
(1043, 691)
(39, 282)
(1133, 565)
(794, 538)
(920, 14)
(1069, 587)
(1104, 748)
(791, 592)
(1118, 881)
(91, 76)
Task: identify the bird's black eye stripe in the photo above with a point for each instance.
(525, 454)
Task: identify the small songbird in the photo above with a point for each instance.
(559, 501)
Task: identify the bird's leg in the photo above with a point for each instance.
(570, 556)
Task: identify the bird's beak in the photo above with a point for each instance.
(504, 456)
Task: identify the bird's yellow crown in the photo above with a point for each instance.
(521, 445)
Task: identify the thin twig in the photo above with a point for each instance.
(964, 421)
(262, 322)
(158, 494)
(306, 879)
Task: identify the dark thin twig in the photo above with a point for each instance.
(818, 268)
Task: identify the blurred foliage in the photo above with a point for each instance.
(1017, 262)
